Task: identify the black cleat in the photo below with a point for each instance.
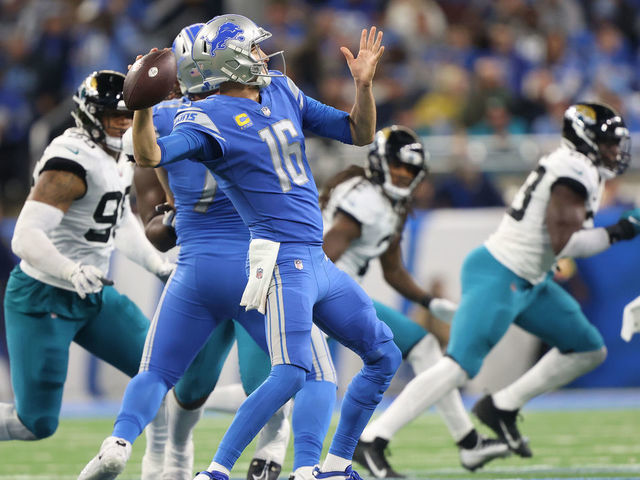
(261, 470)
(503, 422)
(485, 450)
(371, 455)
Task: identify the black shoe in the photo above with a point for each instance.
(503, 422)
(371, 456)
(261, 470)
(485, 450)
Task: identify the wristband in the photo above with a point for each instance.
(426, 301)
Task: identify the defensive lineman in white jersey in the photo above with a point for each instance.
(509, 279)
(77, 211)
(364, 212)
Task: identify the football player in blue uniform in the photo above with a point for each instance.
(195, 315)
(250, 136)
(509, 279)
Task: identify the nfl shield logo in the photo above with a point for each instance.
(259, 273)
(266, 111)
(298, 264)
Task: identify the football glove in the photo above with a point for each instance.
(630, 320)
(443, 309)
(164, 270)
(168, 214)
(87, 279)
(627, 227)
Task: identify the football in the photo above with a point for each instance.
(150, 79)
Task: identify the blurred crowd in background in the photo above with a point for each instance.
(479, 66)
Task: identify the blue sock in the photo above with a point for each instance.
(282, 383)
(362, 396)
(140, 404)
(312, 412)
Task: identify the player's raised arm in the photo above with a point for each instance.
(363, 68)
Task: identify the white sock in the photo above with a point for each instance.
(552, 371)
(424, 355)
(226, 398)
(181, 422)
(274, 436)
(156, 436)
(304, 472)
(216, 467)
(334, 463)
(418, 395)
(11, 428)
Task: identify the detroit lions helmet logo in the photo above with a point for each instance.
(227, 31)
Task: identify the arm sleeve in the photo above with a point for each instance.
(131, 240)
(188, 143)
(31, 243)
(321, 119)
(326, 121)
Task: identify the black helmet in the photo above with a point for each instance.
(100, 92)
(396, 145)
(589, 126)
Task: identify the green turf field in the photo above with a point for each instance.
(574, 444)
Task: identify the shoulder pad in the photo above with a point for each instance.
(364, 201)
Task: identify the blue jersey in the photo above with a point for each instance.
(261, 162)
(204, 214)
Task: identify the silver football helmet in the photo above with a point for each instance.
(189, 76)
(396, 145)
(225, 50)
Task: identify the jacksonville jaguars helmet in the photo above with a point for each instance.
(224, 51)
(396, 145)
(591, 128)
(189, 76)
(99, 93)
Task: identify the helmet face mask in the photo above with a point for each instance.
(189, 76)
(600, 133)
(100, 96)
(397, 152)
(227, 49)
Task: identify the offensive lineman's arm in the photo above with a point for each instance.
(150, 193)
(363, 67)
(345, 229)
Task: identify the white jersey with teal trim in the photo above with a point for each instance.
(86, 232)
(522, 242)
(367, 204)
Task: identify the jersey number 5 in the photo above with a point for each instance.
(275, 136)
(112, 202)
(530, 185)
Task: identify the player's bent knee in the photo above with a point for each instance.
(42, 427)
(596, 357)
(385, 360)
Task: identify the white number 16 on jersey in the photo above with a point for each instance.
(289, 151)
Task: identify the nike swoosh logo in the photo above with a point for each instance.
(377, 472)
(262, 476)
(513, 443)
(73, 150)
